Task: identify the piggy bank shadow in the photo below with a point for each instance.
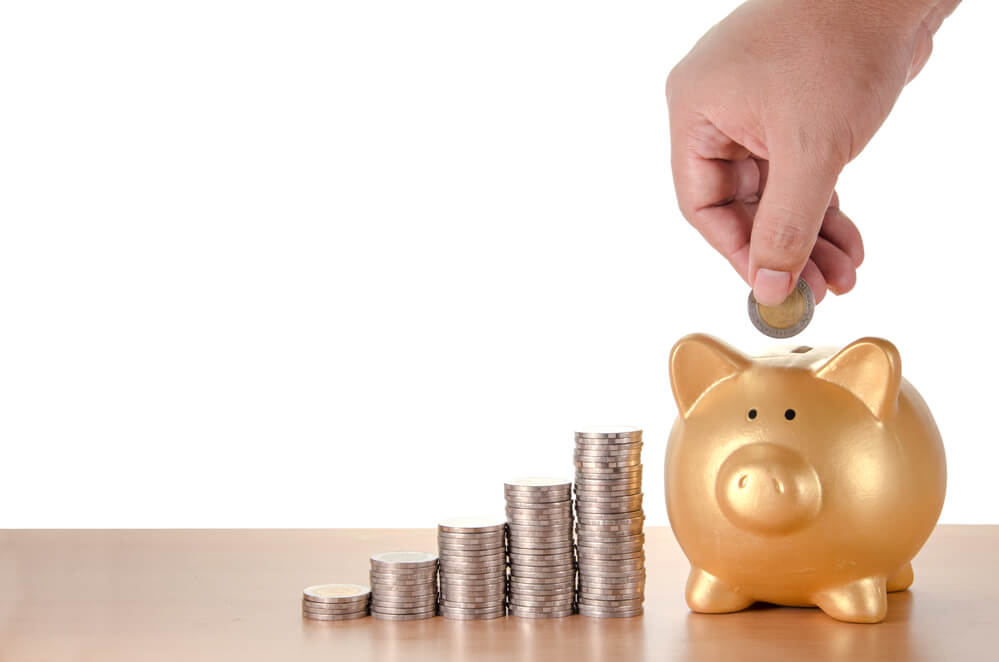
(768, 632)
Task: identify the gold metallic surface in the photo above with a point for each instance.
(807, 477)
(787, 313)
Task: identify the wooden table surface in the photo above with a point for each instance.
(235, 595)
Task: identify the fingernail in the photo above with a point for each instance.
(771, 287)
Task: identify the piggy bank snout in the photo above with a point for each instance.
(768, 489)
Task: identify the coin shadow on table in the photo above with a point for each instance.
(763, 630)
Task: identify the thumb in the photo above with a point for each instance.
(787, 224)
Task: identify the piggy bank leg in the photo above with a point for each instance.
(708, 594)
(901, 580)
(862, 601)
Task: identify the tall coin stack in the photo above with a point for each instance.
(403, 585)
(610, 521)
(542, 564)
(473, 567)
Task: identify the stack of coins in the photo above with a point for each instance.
(609, 521)
(403, 585)
(473, 567)
(542, 563)
(335, 602)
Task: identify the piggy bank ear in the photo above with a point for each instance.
(871, 369)
(697, 363)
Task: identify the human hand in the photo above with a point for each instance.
(767, 109)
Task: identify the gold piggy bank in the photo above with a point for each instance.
(804, 477)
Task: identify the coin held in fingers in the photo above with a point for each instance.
(788, 318)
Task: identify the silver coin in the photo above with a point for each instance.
(537, 504)
(563, 573)
(556, 523)
(624, 565)
(488, 592)
(787, 319)
(619, 583)
(392, 593)
(610, 548)
(404, 559)
(474, 585)
(517, 528)
(538, 509)
(592, 470)
(609, 431)
(479, 596)
(607, 446)
(471, 525)
(560, 604)
(522, 585)
(608, 488)
(560, 579)
(460, 616)
(528, 515)
(472, 551)
(413, 609)
(601, 585)
(542, 592)
(403, 617)
(536, 483)
(552, 536)
(589, 486)
(541, 612)
(632, 603)
(470, 610)
(591, 508)
(470, 559)
(336, 592)
(614, 499)
(551, 549)
(379, 581)
(540, 558)
(611, 544)
(623, 557)
(540, 518)
(584, 460)
(611, 519)
(394, 608)
(608, 612)
(472, 538)
(468, 578)
(543, 565)
(473, 568)
(476, 569)
(623, 465)
(545, 599)
(600, 445)
(591, 580)
(633, 594)
(553, 597)
(470, 555)
(329, 608)
(384, 579)
(334, 617)
(388, 596)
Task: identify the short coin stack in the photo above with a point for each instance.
(473, 567)
(403, 586)
(335, 602)
(610, 521)
(542, 564)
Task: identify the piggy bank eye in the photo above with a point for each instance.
(789, 414)
(751, 414)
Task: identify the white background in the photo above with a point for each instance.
(355, 263)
